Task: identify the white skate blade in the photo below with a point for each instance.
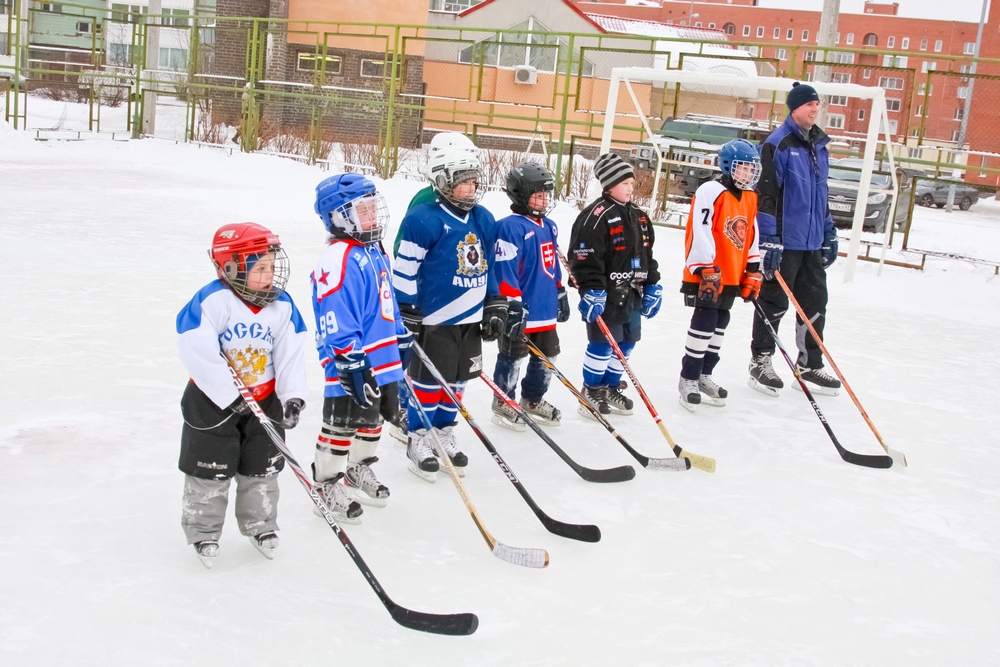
(690, 407)
(207, 561)
(268, 553)
(819, 391)
(619, 411)
(364, 498)
(588, 414)
(398, 434)
(713, 401)
(542, 421)
(507, 424)
(340, 518)
(764, 389)
(422, 474)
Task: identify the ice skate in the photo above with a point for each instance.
(762, 376)
(422, 462)
(208, 551)
(450, 446)
(595, 396)
(619, 403)
(398, 429)
(504, 415)
(361, 484)
(689, 396)
(713, 394)
(335, 497)
(819, 381)
(542, 412)
(265, 543)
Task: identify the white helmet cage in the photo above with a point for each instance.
(451, 167)
(364, 219)
(750, 181)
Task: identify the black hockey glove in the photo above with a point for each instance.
(357, 378)
(405, 343)
(293, 407)
(770, 255)
(239, 406)
(412, 317)
(564, 311)
(830, 248)
(494, 318)
(517, 319)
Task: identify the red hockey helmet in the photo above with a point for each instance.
(249, 259)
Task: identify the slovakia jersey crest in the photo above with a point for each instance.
(548, 249)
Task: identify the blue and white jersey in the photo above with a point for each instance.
(266, 345)
(528, 267)
(444, 263)
(355, 310)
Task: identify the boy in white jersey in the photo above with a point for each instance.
(246, 316)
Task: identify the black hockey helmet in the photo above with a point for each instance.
(525, 180)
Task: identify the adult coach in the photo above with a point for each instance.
(797, 237)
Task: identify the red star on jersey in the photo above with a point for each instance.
(323, 277)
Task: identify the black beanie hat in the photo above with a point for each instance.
(800, 94)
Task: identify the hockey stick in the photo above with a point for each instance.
(527, 557)
(897, 456)
(583, 533)
(619, 474)
(441, 624)
(679, 464)
(865, 460)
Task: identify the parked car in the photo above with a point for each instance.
(935, 193)
(844, 174)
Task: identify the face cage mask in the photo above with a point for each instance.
(259, 298)
(345, 221)
(536, 213)
(751, 182)
(447, 190)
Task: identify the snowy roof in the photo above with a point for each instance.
(619, 25)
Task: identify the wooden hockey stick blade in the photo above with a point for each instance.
(525, 557)
(897, 456)
(706, 463)
(438, 624)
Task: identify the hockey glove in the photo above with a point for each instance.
(711, 284)
(592, 304)
(494, 318)
(750, 285)
(517, 319)
(239, 406)
(357, 378)
(405, 343)
(563, 312)
(652, 299)
(412, 317)
(293, 407)
(829, 248)
(770, 255)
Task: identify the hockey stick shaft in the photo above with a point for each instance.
(898, 456)
(646, 462)
(619, 474)
(445, 624)
(514, 555)
(857, 459)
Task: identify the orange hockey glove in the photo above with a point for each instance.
(750, 285)
(711, 284)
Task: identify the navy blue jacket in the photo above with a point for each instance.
(792, 191)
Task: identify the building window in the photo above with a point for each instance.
(928, 65)
(809, 56)
(311, 62)
(777, 33)
(890, 43)
(850, 38)
(510, 49)
(127, 13)
(841, 58)
(984, 162)
(711, 26)
(959, 113)
(809, 76)
(891, 104)
(746, 31)
(729, 28)
(963, 92)
(923, 44)
(893, 126)
(915, 153)
(781, 54)
(890, 83)
(698, 24)
(966, 69)
(176, 17)
(49, 7)
(84, 27)
(838, 101)
(175, 59)
(919, 111)
(760, 31)
(375, 69)
(752, 50)
(969, 48)
(805, 35)
(861, 114)
(954, 135)
(840, 77)
(119, 54)
(790, 34)
(866, 73)
(938, 45)
(905, 43)
(835, 120)
(871, 39)
(894, 61)
(838, 37)
(923, 89)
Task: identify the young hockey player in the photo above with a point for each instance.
(359, 334)
(442, 275)
(611, 259)
(531, 278)
(247, 316)
(721, 262)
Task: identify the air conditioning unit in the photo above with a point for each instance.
(525, 74)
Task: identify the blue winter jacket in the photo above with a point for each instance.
(792, 191)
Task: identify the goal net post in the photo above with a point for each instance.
(765, 90)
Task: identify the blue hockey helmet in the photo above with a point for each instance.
(350, 207)
(733, 155)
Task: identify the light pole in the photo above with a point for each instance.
(950, 202)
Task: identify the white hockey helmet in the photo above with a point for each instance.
(448, 168)
(444, 141)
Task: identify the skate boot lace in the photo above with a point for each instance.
(361, 476)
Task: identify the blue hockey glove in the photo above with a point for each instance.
(405, 343)
(293, 407)
(652, 298)
(563, 313)
(494, 318)
(829, 248)
(770, 255)
(412, 317)
(357, 378)
(592, 304)
(517, 319)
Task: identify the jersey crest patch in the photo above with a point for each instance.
(250, 363)
(736, 231)
(548, 249)
(471, 259)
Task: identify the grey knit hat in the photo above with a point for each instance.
(611, 170)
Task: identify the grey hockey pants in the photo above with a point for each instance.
(205, 501)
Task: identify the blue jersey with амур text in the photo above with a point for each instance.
(355, 310)
(445, 263)
(528, 267)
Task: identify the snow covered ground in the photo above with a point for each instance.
(785, 556)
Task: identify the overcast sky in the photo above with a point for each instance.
(946, 10)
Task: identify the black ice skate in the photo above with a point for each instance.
(208, 551)
(265, 543)
(689, 396)
(596, 397)
(714, 395)
(762, 376)
(504, 415)
(818, 380)
(361, 484)
(421, 456)
(619, 403)
(542, 412)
